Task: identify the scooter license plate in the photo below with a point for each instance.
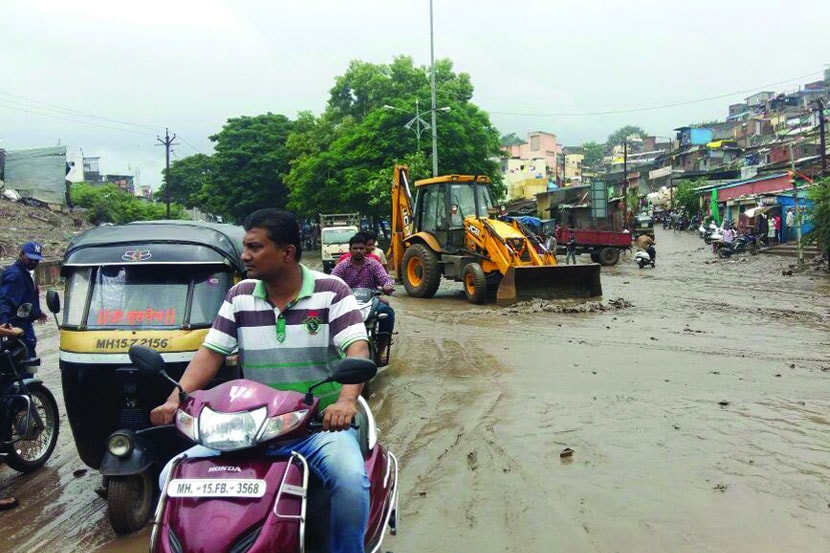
(216, 487)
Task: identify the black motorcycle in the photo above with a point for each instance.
(29, 419)
(742, 244)
(368, 301)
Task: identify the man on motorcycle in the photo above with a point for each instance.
(288, 323)
(360, 271)
(20, 297)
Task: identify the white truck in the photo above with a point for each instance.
(336, 229)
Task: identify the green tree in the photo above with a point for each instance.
(593, 153)
(110, 204)
(187, 177)
(619, 135)
(820, 214)
(343, 159)
(248, 169)
(511, 139)
(685, 196)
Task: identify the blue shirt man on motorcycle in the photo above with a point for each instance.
(19, 295)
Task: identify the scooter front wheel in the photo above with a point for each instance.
(130, 501)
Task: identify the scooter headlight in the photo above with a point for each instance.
(230, 431)
(281, 424)
(121, 443)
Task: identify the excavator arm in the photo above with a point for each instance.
(402, 224)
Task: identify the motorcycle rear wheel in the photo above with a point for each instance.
(27, 455)
(130, 501)
(724, 253)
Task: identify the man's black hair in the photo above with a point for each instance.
(359, 238)
(280, 226)
(370, 235)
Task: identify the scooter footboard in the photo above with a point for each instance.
(225, 503)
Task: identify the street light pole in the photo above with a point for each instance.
(432, 87)
(418, 123)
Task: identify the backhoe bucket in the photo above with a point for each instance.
(549, 282)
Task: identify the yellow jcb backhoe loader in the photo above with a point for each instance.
(445, 230)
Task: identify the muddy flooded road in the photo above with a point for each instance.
(697, 410)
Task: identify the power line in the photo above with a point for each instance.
(653, 108)
(71, 111)
(80, 121)
(191, 145)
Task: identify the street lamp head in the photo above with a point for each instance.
(446, 108)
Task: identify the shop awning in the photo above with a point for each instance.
(755, 211)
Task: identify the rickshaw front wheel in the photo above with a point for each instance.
(130, 501)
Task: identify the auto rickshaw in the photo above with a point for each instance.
(157, 284)
(643, 224)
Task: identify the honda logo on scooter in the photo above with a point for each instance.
(225, 469)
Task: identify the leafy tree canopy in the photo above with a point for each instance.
(248, 167)
(110, 204)
(511, 139)
(187, 177)
(820, 214)
(686, 198)
(343, 159)
(593, 153)
(621, 134)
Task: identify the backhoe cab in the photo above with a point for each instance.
(445, 230)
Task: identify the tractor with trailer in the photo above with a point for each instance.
(445, 231)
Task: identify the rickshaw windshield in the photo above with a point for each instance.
(144, 296)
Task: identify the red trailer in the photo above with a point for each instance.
(604, 246)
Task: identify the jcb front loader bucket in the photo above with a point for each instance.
(549, 282)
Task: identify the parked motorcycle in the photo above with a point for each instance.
(241, 500)
(742, 244)
(29, 420)
(367, 301)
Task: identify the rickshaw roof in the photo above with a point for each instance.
(165, 242)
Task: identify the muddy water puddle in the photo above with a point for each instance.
(696, 416)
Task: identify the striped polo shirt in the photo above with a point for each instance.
(295, 348)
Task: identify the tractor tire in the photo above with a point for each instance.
(609, 256)
(475, 282)
(595, 257)
(421, 271)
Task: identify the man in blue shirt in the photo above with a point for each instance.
(19, 295)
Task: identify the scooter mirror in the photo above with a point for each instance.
(53, 301)
(355, 370)
(147, 359)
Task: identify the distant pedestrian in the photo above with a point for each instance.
(779, 230)
(772, 232)
(763, 228)
(571, 249)
(790, 224)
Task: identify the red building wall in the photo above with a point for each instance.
(773, 184)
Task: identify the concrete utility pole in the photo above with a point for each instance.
(625, 184)
(167, 142)
(799, 251)
(822, 143)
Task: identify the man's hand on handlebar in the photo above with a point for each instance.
(339, 415)
(164, 413)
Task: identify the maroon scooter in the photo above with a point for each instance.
(241, 501)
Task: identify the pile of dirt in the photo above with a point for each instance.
(22, 222)
(542, 306)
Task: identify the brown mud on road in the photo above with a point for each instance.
(696, 409)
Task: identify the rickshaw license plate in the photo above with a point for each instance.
(216, 487)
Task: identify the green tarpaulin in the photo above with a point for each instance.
(713, 207)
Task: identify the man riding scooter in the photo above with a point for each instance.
(646, 243)
(288, 322)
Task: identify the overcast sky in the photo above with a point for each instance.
(75, 72)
